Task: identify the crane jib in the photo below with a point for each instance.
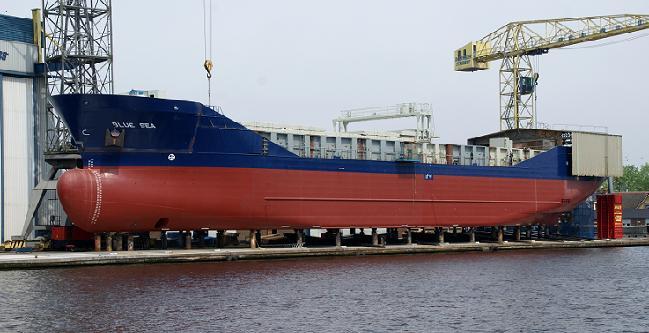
(514, 44)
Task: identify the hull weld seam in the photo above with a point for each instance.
(410, 200)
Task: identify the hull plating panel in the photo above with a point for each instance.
(188, 198)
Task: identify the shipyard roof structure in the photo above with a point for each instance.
(635, 200)
(16, 29)
(635, 205)
(524, 137)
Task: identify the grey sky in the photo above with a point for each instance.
(300, 62)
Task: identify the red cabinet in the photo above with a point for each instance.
(609, 216)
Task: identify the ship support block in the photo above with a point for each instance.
(501, 235)
(119, 239)
(299, 237)
(163, 240)
(220, 238)
(200, 234)
(375, 237)
(253, 239)
(97, 242)
(130, 243)
(188, 240)
(517, 233)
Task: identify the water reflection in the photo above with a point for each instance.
(553, 290)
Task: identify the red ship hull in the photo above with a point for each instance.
(145, 198)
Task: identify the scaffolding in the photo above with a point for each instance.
(78, 56)
(78, 59)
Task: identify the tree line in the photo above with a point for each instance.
(635, 178)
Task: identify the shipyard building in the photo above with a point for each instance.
(23, 130)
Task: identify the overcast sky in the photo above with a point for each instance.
(301, 62)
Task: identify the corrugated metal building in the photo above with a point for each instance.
(22, 122)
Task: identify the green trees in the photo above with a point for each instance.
(635, 179)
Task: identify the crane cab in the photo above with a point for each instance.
(465, 57)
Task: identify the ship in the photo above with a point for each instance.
(151, 164)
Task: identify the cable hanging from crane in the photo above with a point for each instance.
(207, 64)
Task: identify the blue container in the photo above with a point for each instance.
(581, 224)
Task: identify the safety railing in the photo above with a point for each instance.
(508, 159)
(59, 139)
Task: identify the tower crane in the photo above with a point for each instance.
(516, 42)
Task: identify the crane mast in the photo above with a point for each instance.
(515, 44)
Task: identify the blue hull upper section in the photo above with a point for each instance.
(114, 130)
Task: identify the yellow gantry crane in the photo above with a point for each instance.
(516, 42)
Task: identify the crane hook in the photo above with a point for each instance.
(208, 67)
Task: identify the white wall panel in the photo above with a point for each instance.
(20, 57)
(17, 135)
(596, 155)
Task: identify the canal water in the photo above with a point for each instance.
(573, 290)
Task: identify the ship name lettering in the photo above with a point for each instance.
(127, 124)
(123, 124)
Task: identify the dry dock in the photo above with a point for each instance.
(65, 259)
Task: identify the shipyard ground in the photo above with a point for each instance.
(39, 260)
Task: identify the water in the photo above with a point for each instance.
(573, 290)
